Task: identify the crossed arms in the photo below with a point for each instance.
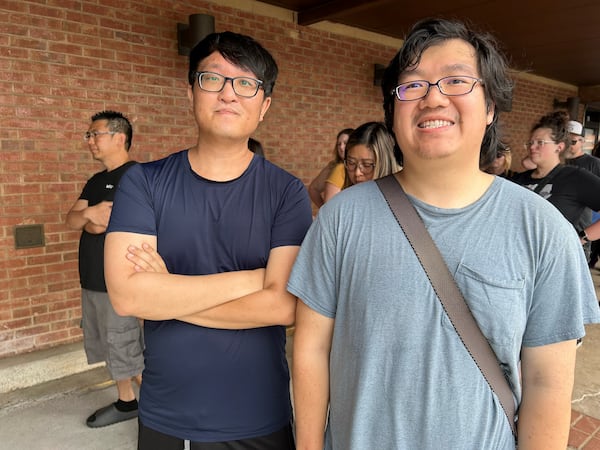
(139, 285)
(93, 219)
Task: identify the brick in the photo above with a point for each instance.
(63, 60)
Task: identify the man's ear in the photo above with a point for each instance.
(190, 94)
(491, 110)
(264, 108)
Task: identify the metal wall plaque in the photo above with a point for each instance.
(28, 236)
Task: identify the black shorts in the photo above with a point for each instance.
(149, 439)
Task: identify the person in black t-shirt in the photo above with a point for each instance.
(108, 337)
(575, 156)
(571, 189)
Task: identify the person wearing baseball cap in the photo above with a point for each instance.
(575, 156)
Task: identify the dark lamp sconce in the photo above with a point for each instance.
(571, 105)
(200, 26)
(378, 74)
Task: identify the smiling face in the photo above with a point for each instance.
(225, 114)
(439, 126)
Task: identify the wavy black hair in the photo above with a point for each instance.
(492, 66)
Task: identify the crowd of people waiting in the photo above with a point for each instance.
(215, 248)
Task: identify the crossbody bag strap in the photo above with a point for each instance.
(449, 294)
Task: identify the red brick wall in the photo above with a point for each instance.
(64, 60)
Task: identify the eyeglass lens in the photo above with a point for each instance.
(450, 86)
(364, 167)
(242, 86)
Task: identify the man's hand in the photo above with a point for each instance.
(93, 219)
(146, 259)
(99, 214)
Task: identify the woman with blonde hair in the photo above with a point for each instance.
(318, 186)
(501, 165)
(369, 154)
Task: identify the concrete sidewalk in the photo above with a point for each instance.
(51, 416)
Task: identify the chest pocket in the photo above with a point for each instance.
(495, 303)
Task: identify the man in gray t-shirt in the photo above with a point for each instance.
(377, 362)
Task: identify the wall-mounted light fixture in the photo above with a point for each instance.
(378, 74)
(571, 105)
(200, 26)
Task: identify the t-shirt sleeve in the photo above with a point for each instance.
(293, 216)
(132, 208)
(86, 191)
(564, 296)
(337, 176)
(313, 278)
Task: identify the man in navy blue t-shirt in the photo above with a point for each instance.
(200, 245)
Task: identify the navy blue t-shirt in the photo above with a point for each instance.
(205, 384)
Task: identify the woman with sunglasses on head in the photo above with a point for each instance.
(570, 189)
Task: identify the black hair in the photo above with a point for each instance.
(241, 51)
(256, 147)
(492, 66)
(118, 123)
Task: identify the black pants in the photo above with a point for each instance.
(149, 439)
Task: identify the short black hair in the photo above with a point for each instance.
(492, 66)
(241, 51)
(118, 123)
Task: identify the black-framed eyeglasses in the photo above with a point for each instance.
(94, 134)
(365, 167)
(575, 141)
(451, 86)
(215, 82)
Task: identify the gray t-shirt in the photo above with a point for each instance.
(400, 376)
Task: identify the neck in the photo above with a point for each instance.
(543, 170)
(577, 155)
(220, 160)
(444, 187)
(116, 161)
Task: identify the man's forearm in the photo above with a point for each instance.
(76, 219)
(164, 296)
(312, 346)
(544, 421)
(311, 399)
(259, 309)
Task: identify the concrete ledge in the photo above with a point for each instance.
(34, 368)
